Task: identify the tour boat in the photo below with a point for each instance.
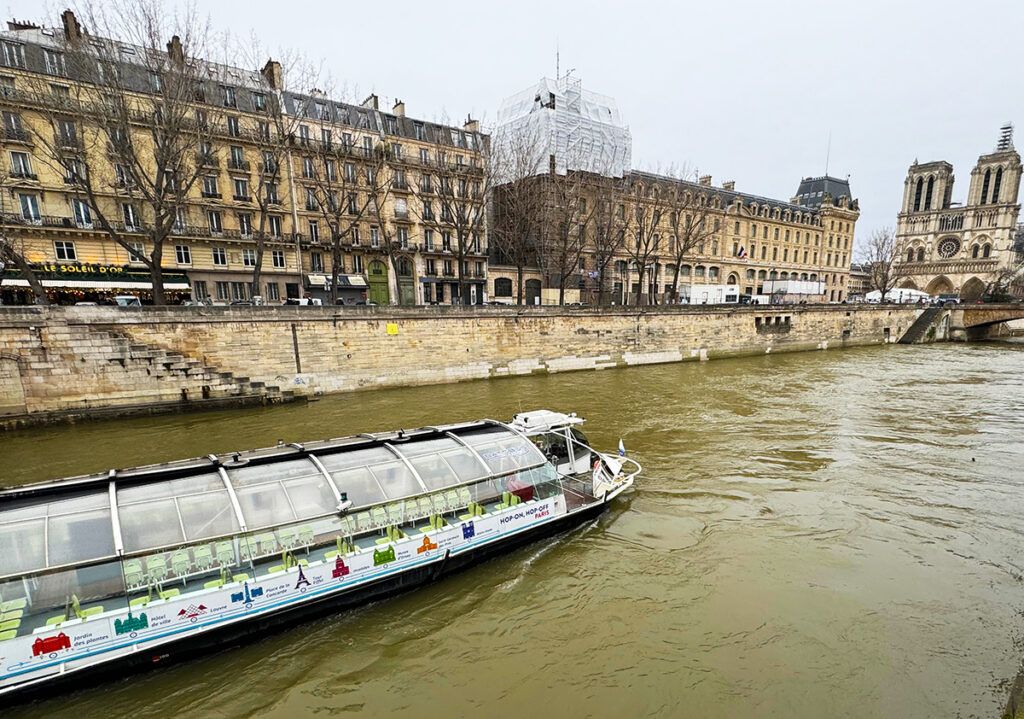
(105, 573)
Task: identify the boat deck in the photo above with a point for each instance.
(319, 550)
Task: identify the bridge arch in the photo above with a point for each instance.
(939, 286)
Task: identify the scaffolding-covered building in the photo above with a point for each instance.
(581, 129)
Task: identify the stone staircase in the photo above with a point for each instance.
(922, 324)
(141, 373)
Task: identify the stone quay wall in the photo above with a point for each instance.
(58, 361)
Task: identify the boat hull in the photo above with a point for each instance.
(260, 626)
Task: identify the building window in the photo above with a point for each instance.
(54, 62)
(13, 54)
(216, 226)
(220, 257)
(29, 208)
(239, 290)
(431, 267)
(357, 263)
(65, 251)
(273, 291)
(374, 236)
(241, 189)
(277, 257)
(137, 254)
(314, 231)
(131, 216)
(183, 254)
(245, 224)
(20, 166)
(316, 262)
(234, 129)
(259, 101)
(249, 257)
(199, 290)
(274, 225)
(229, 96)
(402, 234)
(223, 291)
(83, 217)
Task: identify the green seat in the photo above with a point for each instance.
(92, 611)
(361, 522)
(214, 584)
(275, 569)
(203, 558)
(169, 593)
(133, 574)
(440, 503)
(138, 602)
(472, 510)
(268, 543)
(506, 500)
(452, 499)
(181, 563)
(10, 634)
(379, 517)
(426, 507)
(225, 553)
(435, 522)
(307, 536)
(156, 568)
(240, 577)
(395, 514)
(10, 624)
(11, 604)
(465, 498)
(331, 554)
(56, 621)
(248, 547)
(13, 614)
(287, 537)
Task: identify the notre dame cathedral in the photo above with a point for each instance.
(948, 247)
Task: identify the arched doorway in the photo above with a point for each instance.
(377, 278)
(908, 285)
(939, 286)
(532, 292)
(972, 290)
(12, 391)
(733, 279)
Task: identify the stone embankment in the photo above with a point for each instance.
(69, 362)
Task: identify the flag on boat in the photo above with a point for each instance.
(622, 448)
(742, 252)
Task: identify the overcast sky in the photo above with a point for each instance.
(748, 90)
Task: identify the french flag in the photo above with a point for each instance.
(622, 449)
(742, 253)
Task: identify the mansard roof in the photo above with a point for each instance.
(812, 190)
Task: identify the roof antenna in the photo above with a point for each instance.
(558, 62)
(828, 151)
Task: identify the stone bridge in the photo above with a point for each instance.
(974, 322)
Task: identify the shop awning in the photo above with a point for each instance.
(318, 280)
(94, 284)
(351, 281)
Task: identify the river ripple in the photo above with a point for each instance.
(834, 533)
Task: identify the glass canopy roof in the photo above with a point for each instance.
(40, 533)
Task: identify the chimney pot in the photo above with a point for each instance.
(399, 109)
(705, 180)
(729, 185)
(372, 102)
(72, 30)
(471, 125)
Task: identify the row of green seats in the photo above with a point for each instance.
(509, 500)
(408, 511)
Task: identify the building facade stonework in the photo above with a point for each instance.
(946, 247)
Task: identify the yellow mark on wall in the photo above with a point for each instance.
(392, 328)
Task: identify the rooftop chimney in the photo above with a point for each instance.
(399, 108)
(175, 51)
(705, 180)
(471, 125)
(272, 74)
(72, 30)
(729, 185)
(372, 103)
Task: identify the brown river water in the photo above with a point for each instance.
(814, 535)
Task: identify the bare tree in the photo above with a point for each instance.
(518, 200)
(882, 258)
(567, 217)
(460, 178)
(646, 201)
(12, 249)
(272, 136)
(131, 105)
(608, 229)
(692, 220)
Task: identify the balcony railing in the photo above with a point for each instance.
(205, 160)
(242, 198)
(240, 165)
(11, 134)
(210, 195)
(24, 175)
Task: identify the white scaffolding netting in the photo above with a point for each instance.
(581, 129)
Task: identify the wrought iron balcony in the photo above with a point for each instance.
(240, 165)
